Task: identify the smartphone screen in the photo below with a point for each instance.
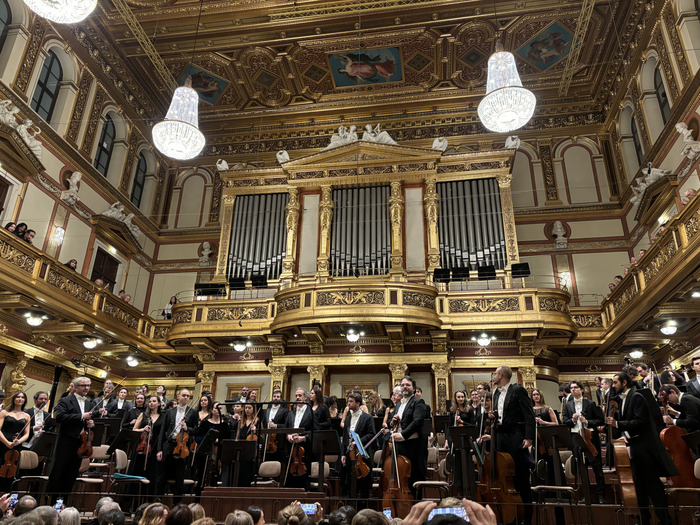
(59, 505)
(13, 500)
(387, 513)
(309, 508)
(458, 511)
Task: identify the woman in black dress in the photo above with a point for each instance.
(544, 416)
(322, 415)
(150, 421)
(460, 415)
(248, 431)
(134, 412)
(216, 421)
(14, 430)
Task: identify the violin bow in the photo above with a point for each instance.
(102, 398)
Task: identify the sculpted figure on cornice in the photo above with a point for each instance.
(7, 113)
(282, 156)
(513, 142)
(344, 136)
(377, 135)
(28, 134)
(70, 196)
(691, 147)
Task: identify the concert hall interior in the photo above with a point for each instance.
(344, 212)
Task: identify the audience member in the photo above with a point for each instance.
(20, 229)
(121, 294)
(70, 516)
(28, 236)
(240, 517)
(197, 511)
(154, 514)
(257, 514)
(168, 310)
(291, 515)
(72, 264)
(48, 514)
(10, 227)
(370, 517)
(25, 504)
(139, 512)
(179, 515)
(127, 298)
(204, 521)
(112, 516)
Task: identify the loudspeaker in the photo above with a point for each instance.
(460, 273)
(441, 275)
(236, 283)
(209, 289)
(487, 272)
(520, 270)
(258, 280)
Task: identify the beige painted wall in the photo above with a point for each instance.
(36, 211)
(165, 285)
(75, 241)
(594, 271)
(587, 229)
(415, 240)
(168, 252)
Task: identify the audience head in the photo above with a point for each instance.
(121, 294)
(179, 515)
(257, 514)
(24, 504)
(29, 235)
(48, 514)
(154, 514)
(138, 514)
(21, 228)
(338, 517)
(10, 227)
(349, 511)
(292, 515)
(99, 282)
(197, 511)
(70, 516)
(204, 521)
(239, 517)
(111, 516)
(73, 264)
(370, 517)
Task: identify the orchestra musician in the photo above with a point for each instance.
(14, 431)
(41, 420)
(544, 414)
(160, 392)
(581, 414)
(646, 378)
(219, 422)
(302, 418)
(375, 405)
(134, 411)
(475, 408)
(104, 398)
(460, 415)
(693, 386)
(689, 417)
(175, 420)
(150, 422)
(363, 425)
(119, 406)
(275, 416)
(409, 416)
(649, 459)
(73, 414)
(394, 400)
(322, 416)
(516, 431)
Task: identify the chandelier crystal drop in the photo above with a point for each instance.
(178, 136)
(507, 105)
(62, 11)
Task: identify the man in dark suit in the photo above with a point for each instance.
(301, 417)
(119, 406)
(73, 413)
(410, 414)
(689, 418)
(363, 425)
(160, 392)
(41, 420)
(580, 414)
(647, 377)
(275, 416)
(181, 417)
(693, 386)
(515, 431)
(649, 458)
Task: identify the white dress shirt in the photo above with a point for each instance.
(299, 415)
(273, 412)
(578, 408)
(81, 402)
(502, 401)
(354, 418)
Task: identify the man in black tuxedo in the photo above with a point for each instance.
(73, 413)
(515, 431)
(301, 417)
(119, 406)
(693, 386)
(41, 420)
(649, 458)
(647, 377)
(410, 414)
(689, 418)
(181, 417)
(160, 392)
(275, 416)
(363, 425)
(580, 414)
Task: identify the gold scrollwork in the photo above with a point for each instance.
(120, 315)
(506, 304)
(316, 348)
(161, 332)
(625, 298)
(482, 352)
(357, 349)
(421, 300)
(396, 346)
(350, 297)
(182, 317)
(549, 304)
(289, 303)
(692, 226)
(23, 261)
(657, 263)
(588, 321)
(236, 314)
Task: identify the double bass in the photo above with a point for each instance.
(623, 467)
(395, 473)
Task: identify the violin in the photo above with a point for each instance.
(143, 443)
(9, 465)
(396, 471)
(297, 466)
(181, 449)
(85, 448)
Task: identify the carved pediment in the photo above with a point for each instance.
(116, 232)
(18, 159)
(656, 198)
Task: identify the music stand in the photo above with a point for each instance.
(440, 423)
(98, 433)
(125, 440)
(44, 445)
(556, 437)
(237, 450)
(110, 428)
(462, 438)
(205, 448)
(325, 443)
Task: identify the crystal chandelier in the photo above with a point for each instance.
(507, 105)
(178, 136)
(62, 11)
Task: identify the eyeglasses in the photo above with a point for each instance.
(84, 384)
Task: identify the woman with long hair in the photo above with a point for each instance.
(248, 431)
(322, 416)
(10, 227)
(333, 406)
(150, 423)
(375, 405)
(154, 514)
(14, 430)
(395, 399)
(168, 310)
(131, 415)
(544, 414)
(218, 422)
(20, 229)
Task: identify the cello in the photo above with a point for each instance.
(672, 438)
(623, 467)
(395, 492)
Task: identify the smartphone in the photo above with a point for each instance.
(387, 513)
(309, 508)
(59, 505)
(13, 500)
(458, 511)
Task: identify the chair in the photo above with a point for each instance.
(82, 482)
(100, 459)
(677, 491)
(443, 487)
(29, 460)
(540, 491)
(269, 474)
(314, 475)
(433, 463)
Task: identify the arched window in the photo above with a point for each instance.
(105, 146)
(139, 181)
(637, 142)
(661, 96)
(46, 92)
(5, 20)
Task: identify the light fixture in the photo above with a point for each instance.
(35, 318)
(669, 328)
(91, 342)
(65, 12)
(178, 136)
(132, 361)
(239, 345)
(112, 250)
(507, 105)
(695, 294)
(353, 336)
(636, 353)
(484, 339)
(103, 374)
(58, 235)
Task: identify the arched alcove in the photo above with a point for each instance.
(654, 96)
(16, 34)
(110, 151)
(630, 144)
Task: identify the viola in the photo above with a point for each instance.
(271, 445)
(361, 468)
(85, 448)
(623, 467)
(181, 444)
(9, 465)
(396, 471)
(297, 466)
(143, 443)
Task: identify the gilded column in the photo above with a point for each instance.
(441, 374)
(325, 219)
(277, 343)
(206, 378)
(398, 371)
(292, 234)
(529, 374)
(279, 375)
(226, 222)
(316, 373)
(431, 203)
(396, 212)
(508, 216)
